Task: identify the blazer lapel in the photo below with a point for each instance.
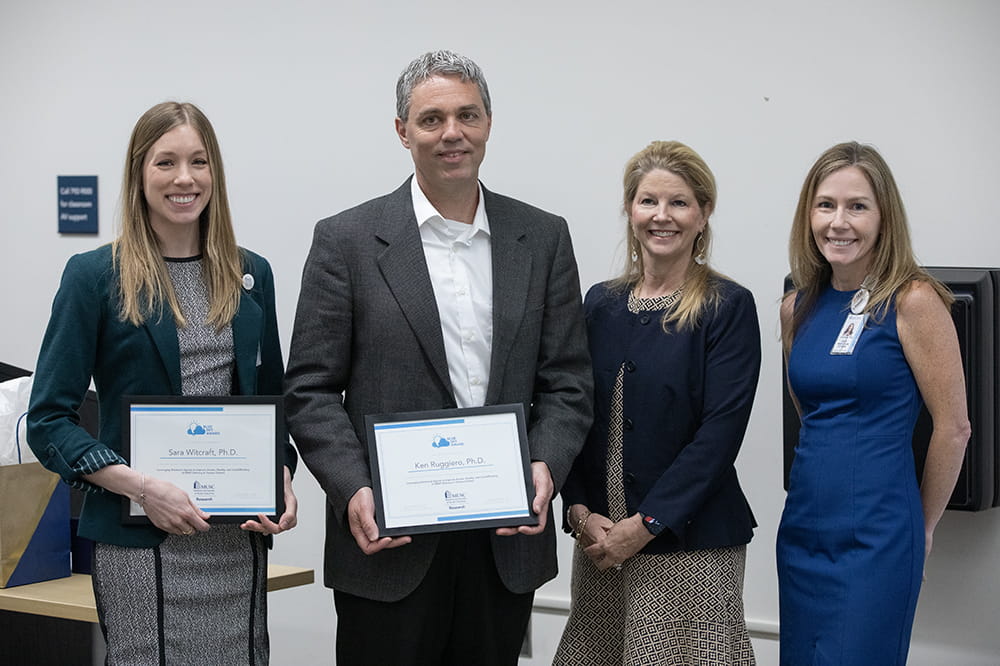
(247, 332)
(511, 278)
(163, 331)
(248, 329)
(404, 269)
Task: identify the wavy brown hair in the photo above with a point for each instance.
(145, 288)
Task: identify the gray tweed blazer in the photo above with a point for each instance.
(367, 340)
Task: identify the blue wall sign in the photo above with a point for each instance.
(77, 204)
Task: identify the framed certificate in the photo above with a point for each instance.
(453, 469)
(226, 452)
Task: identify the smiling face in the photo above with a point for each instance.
(845, 222)
(665, 218)
(446, 133)
(177, 182)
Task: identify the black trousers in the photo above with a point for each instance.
(460, 614)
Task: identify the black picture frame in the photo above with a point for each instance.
(449, 523)
(275, 402)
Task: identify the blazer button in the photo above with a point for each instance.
(627, 424)
(629, 479)
(629, 366)
(644, 319)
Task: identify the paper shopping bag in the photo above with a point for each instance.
(34, 525)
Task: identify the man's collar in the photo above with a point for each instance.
(425, 211)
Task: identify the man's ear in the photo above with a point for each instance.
(401, 131)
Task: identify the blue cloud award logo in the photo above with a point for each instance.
(196, 429)
(440, 442)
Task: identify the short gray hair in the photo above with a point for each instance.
(438, 63)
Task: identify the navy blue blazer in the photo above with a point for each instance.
(687, 401)
(85, 338)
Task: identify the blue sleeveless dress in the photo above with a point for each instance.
(850, 546)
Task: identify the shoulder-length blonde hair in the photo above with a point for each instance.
(144, 285)
(700, 288)
(893, 266)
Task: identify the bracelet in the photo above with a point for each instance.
(142, 489)
(581, 525)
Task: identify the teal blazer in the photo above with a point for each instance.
(85, 338)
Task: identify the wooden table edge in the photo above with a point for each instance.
(72, 598)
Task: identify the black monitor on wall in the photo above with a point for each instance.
(976, 314)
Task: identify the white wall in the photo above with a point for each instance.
(301, 95)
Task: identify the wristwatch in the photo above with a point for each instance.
(652, 524)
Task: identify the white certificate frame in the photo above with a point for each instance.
(450, 469)
(226, 452)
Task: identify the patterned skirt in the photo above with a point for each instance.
(681, 609)
(199, 599)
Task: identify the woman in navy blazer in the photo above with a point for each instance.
(653, 500)
(172, 307)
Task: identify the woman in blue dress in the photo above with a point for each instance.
(868, 338)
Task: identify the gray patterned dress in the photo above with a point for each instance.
(198, 599)
(677, 609)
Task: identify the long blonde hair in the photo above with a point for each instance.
(893, 266)
(144, 285)
(700, 287)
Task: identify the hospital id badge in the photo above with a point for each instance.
(849, 334)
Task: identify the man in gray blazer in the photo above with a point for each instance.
(441, 294)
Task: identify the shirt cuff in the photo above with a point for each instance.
(89, 464)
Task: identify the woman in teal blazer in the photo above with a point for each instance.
(172, 307)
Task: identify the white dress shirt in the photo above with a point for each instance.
(461, 269)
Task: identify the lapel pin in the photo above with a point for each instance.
(247, 281)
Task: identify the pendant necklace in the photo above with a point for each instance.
(860, 300)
